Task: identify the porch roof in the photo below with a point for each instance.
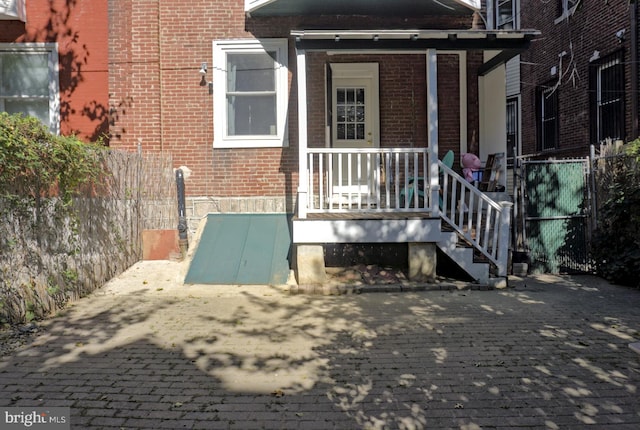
(360, 7)
(507, 43)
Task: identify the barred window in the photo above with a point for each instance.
(607, 98)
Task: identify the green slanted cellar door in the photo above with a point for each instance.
(242, 249)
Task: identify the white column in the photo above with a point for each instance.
(303, 181)
(503, 239)
(432, 128)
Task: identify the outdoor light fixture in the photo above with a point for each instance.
(203, 74)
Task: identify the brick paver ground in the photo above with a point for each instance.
(144, 352)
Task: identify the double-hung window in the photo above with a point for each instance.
(548, 124)
(29, 81)
(250, 93)
(506, 14)
(607, 98)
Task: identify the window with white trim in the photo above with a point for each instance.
(506, 14)
(250, 93)
(29, 81)
(566, 8)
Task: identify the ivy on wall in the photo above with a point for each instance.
(40, 249)
(35, 163)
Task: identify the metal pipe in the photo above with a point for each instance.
(182, 218)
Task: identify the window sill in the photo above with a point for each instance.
(250, 143)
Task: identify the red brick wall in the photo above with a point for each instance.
(81, 31)
(591, 28)
(155, 53)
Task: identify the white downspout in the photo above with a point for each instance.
(303, 180)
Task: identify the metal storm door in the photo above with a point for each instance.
(354, 125)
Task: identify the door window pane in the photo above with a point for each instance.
(350, 113)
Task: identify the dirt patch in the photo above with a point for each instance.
(362, 274)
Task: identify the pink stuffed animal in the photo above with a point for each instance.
(470, 163)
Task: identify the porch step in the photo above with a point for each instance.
(464, 256)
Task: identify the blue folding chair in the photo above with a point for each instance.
(447, 160)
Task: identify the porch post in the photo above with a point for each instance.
(503, 238)
(432, 131)
(303, 182)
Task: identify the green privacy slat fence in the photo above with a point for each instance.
(557, 222)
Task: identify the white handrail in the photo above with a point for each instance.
(481, 221)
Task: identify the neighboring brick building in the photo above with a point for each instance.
(53, 60)
(580, 77)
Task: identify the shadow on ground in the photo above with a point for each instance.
(547, 353)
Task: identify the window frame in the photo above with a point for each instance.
(513, 105)
(515, 6)
(550, 93)
(618, 106)
(567, 8)
(220, 118)
(51, 49)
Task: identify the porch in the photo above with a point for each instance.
(374, 193)
(390, 195)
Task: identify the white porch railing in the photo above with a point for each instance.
(378, 180)
(482, 222)
(367, 180)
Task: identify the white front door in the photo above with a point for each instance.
(355, 124)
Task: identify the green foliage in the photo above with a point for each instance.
(36, 163)
(40, 173)
(616, 243)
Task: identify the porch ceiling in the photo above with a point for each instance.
(360, 7)
(506, 43)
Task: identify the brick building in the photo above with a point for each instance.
(54, 64)
(337, 112)
(580, 77)
(312, 108)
